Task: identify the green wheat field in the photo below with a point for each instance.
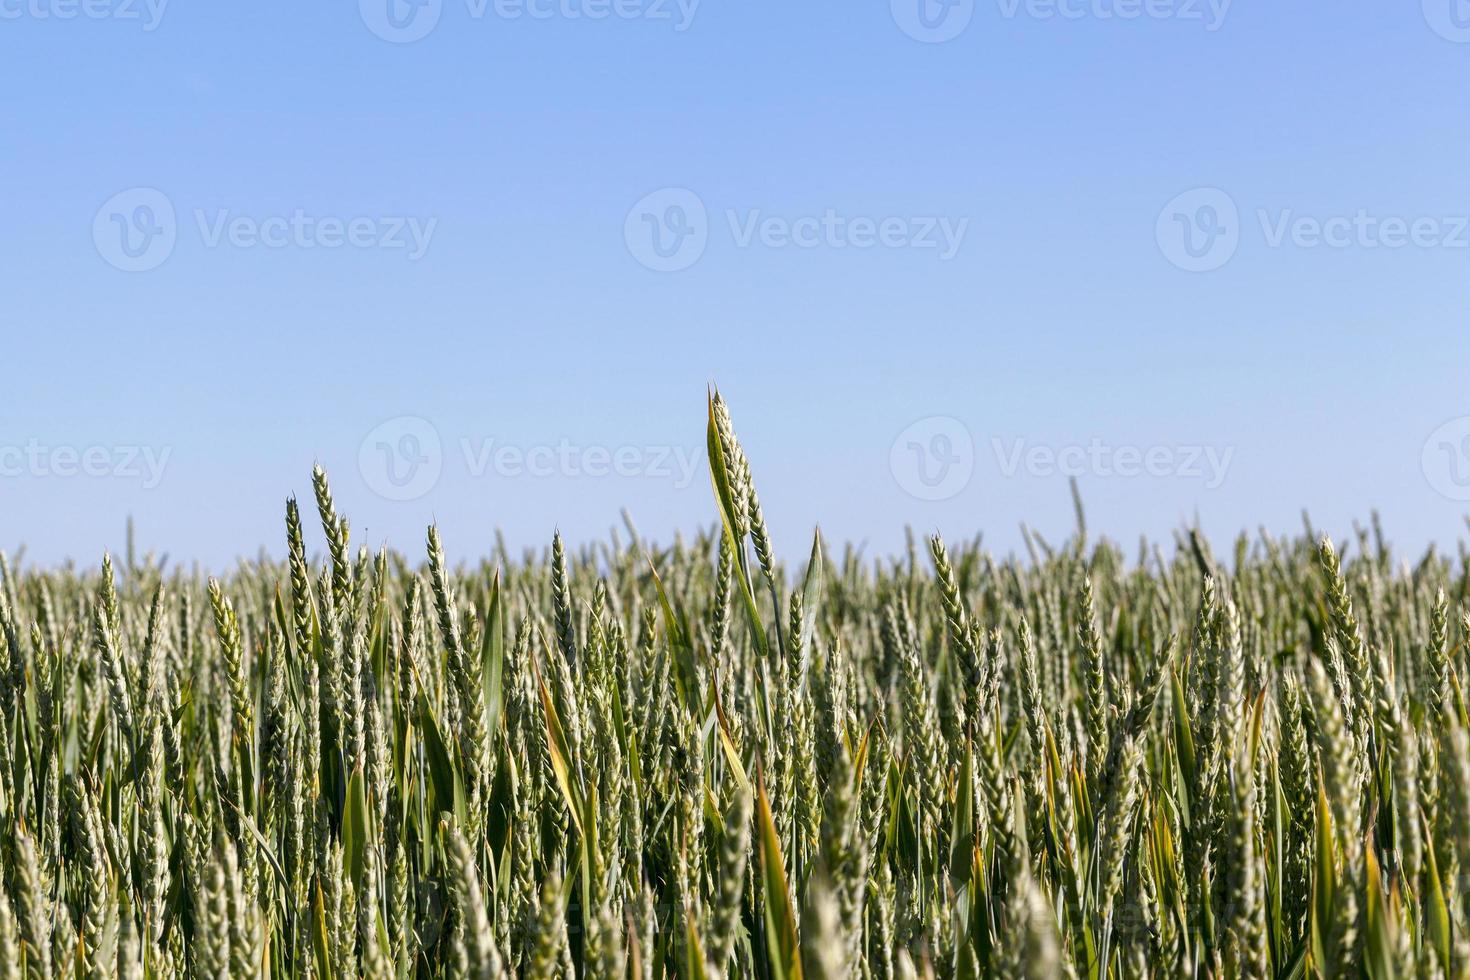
(696, 761)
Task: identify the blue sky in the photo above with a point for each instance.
(932, 277)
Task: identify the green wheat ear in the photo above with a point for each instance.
(716, 760)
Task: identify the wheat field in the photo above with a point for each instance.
(697, 761)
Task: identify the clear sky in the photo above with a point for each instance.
(1213, 259)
